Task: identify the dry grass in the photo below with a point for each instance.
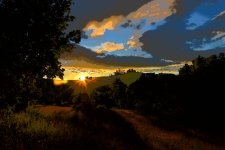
(161, 139)
(48, 109)
(52, 127)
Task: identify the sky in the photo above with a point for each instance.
(143, 34)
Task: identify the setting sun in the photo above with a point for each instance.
(82, 78)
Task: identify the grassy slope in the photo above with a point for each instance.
(129, 78)
(91, 84)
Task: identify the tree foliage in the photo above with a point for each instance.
(32, 36)
(211, 65)
(55, 94)
(111, 95)
(131, 70)
(119, 72)
(194, 98)
(102, 96)
(119, 93)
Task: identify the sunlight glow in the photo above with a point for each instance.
(59, 82)
(82, 78)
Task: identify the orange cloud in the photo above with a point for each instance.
(99, 28)
(153, 11)
(109, 47)
(74, 73)
(134, 41)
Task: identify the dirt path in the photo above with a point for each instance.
(103, 128)
(160, 139)
(155, 137)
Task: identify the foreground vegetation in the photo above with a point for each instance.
(65, 128)
(54, 127)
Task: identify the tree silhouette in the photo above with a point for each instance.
(119, 72)
(202, 93)
(185, 70)
(119, 93)
(131, 70)
(199, 64)
(55, 94)
(32, 37)
(103, 96)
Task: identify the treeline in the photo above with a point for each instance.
(150, 94)
(195, 97)
(52, 94)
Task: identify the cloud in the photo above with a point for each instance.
(129, 52)
(196, 20)
(99, 28)
(128, 23)
(142, 19)
(169, 30)
(217, 41)
(219, 15)
(138, 25)
(184, 7)
(87, 10)
(134, 41)
(153, 11)
(74, 73)
(218, 34)
(109, 47)
(90, 57)
(170, 40)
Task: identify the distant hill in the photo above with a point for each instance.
(91, 83)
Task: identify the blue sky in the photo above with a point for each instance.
(149, 32)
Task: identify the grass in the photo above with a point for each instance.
(130, 77)
(52, 127)
(162, 139)
(33, 130)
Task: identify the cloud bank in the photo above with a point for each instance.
(148, 32)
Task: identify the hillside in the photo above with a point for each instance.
(90, 84)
